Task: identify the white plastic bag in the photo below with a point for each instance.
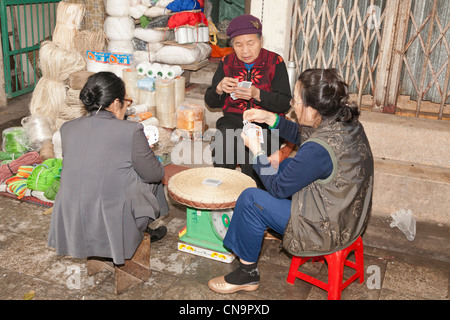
(156, 11)
(137, 11)
(180, 55)
(405, 221)
(152, 36)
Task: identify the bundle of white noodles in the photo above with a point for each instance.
(68, 20)
(56, 64)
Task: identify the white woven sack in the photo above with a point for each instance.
(177, 55)
(119, 28)
(117, 8)
(152, 36)
(120, 46)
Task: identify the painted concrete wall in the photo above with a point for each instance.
(276, 19)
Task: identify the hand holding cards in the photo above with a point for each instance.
(242, 84)
(152, 134)
(252, 130)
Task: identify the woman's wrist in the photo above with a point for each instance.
(258, 153)
(255, 146)
(256, 93)
(219, 90)
(273, 120)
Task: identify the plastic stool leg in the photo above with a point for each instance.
(359, 259)
(335, 274)
(295, 264)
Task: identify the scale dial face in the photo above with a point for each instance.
(221, 221)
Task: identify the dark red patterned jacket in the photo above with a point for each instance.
(268, 74)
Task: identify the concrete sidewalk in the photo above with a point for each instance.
(26, 264)
(394, 270)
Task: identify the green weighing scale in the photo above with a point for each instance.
(204, 233)
(210, 195)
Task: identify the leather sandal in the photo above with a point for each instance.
(219, 285)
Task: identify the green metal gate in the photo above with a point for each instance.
(24, 25)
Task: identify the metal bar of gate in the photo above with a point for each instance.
(24, 25)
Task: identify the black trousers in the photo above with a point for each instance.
(229, 151)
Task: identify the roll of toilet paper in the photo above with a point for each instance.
(163, 71)
(173, 71)
(169, 71)
(142, 68)
(153, 70)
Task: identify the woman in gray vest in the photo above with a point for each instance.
(110, 180)
(320, 199)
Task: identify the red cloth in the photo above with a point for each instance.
(218, 52)
(186, 18)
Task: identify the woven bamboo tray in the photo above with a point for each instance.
(187, 187)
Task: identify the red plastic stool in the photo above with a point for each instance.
(336, 262)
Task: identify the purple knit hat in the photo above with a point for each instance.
(244, 24)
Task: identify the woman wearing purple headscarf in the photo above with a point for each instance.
(268, 88)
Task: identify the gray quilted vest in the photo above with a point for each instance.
(328, 215)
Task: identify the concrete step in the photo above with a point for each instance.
(406, 139)
(431, 240)
(420, 188)
(412, 165)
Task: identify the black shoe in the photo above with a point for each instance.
(157, 234)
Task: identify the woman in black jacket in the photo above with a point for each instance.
(268, 88)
